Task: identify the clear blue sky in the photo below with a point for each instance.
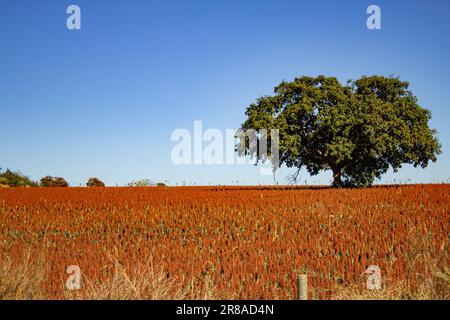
(104, 100)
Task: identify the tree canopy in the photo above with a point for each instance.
(15, 179)
(49, 181)
(358, 130)
(95, 182)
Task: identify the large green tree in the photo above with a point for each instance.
(358, 130)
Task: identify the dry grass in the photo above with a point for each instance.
(25, 281)
(142, 282)
(22, 281)
(428, 279)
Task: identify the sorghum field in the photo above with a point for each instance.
(224, 242)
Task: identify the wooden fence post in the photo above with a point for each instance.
(302, 287)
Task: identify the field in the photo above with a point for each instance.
(224, 242)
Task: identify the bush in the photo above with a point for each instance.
(95, 182)
(141, 183)
(15, 179)
(160, 184)
(4, 182)
(49, 181)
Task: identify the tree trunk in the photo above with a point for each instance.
(337, 177)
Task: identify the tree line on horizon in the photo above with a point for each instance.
(9, 178)
(13, 179)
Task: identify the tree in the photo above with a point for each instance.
(95, 182)
(49, 181)
(358, 130)
(15, 179)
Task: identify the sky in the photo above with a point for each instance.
(104, 100)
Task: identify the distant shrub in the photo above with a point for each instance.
(160, 184)
(95, 182)
(49, 181)
(4, 182)
(15, 179)
(141, 183)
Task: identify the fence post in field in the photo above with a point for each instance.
(302, 287)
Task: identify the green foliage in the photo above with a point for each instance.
(161, 184)
(15, 179)
(358, 131)
(95, 182)
(49, 181)
(141, 183)
(3, 182)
